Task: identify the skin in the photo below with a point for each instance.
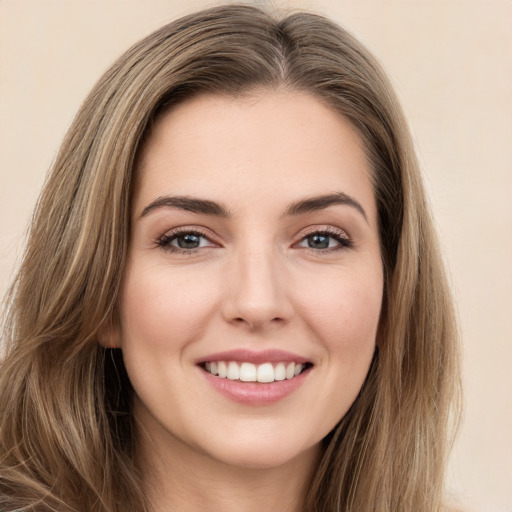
(253, 283)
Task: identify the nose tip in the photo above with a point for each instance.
(255, 317)
(257, 295)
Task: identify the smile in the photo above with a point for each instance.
(255, 378)
(266, 372)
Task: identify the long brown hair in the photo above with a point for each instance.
(66, 433)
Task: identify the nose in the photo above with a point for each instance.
(256, 295)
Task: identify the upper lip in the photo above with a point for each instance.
(255, 357)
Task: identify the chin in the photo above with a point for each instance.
(269, 458)
(263, 450)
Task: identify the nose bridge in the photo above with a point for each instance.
(257, 294)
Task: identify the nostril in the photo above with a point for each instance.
(255, 323)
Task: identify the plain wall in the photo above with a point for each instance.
(451, 62)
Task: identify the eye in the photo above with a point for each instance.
(184, 241)
(325, 241)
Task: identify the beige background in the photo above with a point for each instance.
(451, 62)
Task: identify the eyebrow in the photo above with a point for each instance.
(320, 202)
(208, 207)
(190, 204)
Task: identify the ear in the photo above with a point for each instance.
(109, 334)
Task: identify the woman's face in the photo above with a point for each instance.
(254, 253)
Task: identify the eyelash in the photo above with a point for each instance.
(344, 242)
(165, 240)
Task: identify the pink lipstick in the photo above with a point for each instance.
(255, 378)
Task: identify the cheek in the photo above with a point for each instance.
(344, 314)
(162, 309)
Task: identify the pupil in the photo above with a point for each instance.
(188, 241)
(318, 241)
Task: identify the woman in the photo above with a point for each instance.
(232, 295)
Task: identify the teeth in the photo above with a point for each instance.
(222, 369)
(265, 372)
(233, 371)
(248, 372)
(280, 372)
(290, 371)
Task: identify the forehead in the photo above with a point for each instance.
(284, 141)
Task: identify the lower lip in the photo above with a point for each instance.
(256, 393)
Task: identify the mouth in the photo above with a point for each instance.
(264, 373)
(255, 378)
